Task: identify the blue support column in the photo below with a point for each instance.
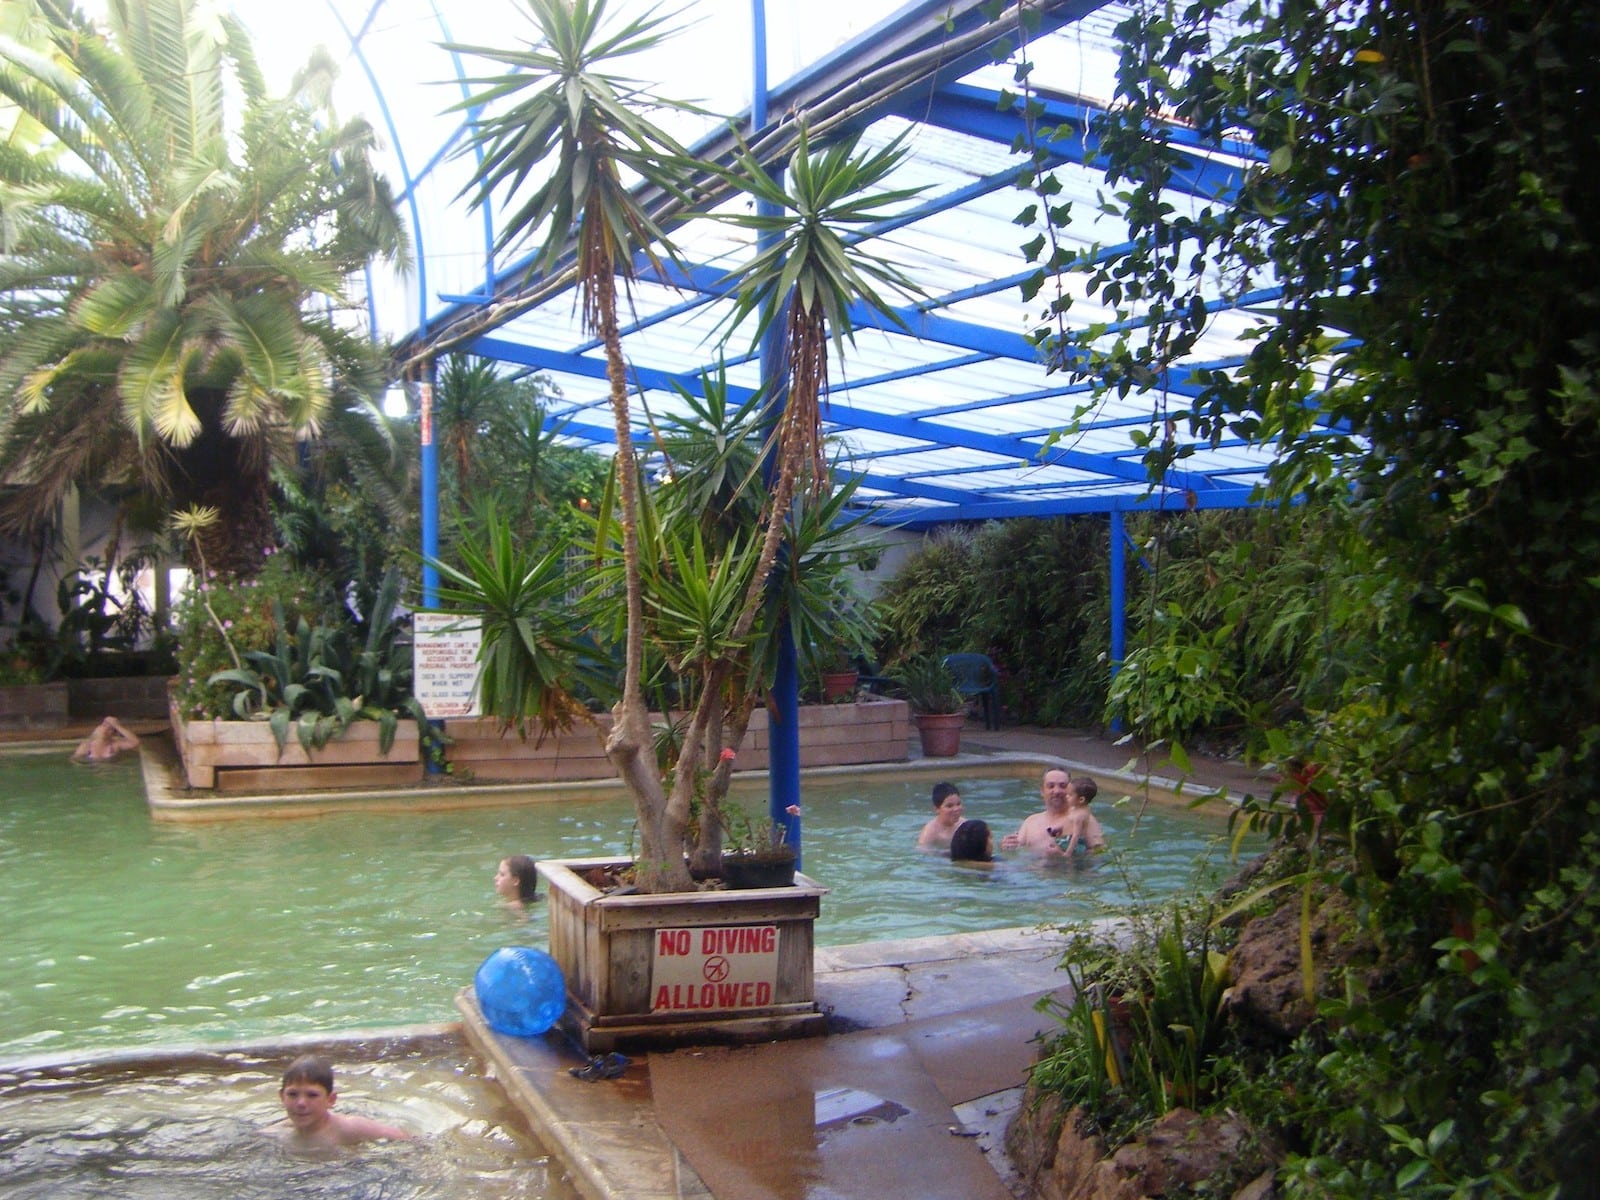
(430, 516)
(430, 488)
(783, 774)
(1119, 599)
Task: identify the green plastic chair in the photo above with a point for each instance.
(977, 678)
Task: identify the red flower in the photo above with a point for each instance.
(727, 754)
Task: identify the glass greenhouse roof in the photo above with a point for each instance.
(956, 419)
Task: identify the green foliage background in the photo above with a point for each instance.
(1423, 200)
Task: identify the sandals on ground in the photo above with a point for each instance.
(601, 1066)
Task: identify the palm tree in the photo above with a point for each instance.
(555, 108)
(562, 115)
(160, 262)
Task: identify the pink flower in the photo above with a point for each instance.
(727, 754)
(793, 810)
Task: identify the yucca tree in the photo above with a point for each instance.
(557, 118)
(170, 270)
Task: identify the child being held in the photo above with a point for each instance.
(1079, 829)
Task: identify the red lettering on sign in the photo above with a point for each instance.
(759, 939)
(678, 997)
(674, 942)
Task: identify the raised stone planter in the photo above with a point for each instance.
(244, 756)
(830, 735)
(682, 968)
(33, 705)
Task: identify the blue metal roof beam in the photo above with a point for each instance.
(1011, 448)
(976, 112)
(1159, 501)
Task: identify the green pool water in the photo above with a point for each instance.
(125, 931)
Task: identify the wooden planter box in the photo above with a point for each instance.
(243, 756)
(683, 968)
(830, 735)
(33, 705)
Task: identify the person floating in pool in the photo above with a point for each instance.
(107, 740)
(972, 844)
(1044, 832)
(937, 832)
(516, 882)
(309, 1121)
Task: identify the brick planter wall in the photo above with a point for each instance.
(243, 756)
(830, 735)
(33, 706)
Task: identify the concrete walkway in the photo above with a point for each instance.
(908, 1096)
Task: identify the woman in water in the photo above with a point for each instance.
(516, 882)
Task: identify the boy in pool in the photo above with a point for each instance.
(1079, 829)
(308, 1097)
(936, 834)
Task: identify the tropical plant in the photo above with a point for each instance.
(929, 685)
(157, 263)
(533, 655)
(1420, 203)
(317, 680)
(556, 110)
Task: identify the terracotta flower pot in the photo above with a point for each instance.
(838, 685)
(940, 733)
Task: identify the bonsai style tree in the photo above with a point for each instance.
(563, 114)
(158, 257)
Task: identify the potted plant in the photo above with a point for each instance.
(839, 678)
(937, 705)
(758, 853)
(553, 139)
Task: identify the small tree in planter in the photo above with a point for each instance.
(565, 123)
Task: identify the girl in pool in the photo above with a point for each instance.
(516, 882)
(936, 833)
(972, 844)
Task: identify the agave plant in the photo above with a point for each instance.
(318, 679)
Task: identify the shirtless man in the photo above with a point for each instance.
(309, 1120)
(1037, 832)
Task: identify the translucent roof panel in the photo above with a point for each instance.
(950, 417)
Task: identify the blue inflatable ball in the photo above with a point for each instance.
(520, 991)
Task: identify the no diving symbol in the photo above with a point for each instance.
(716, 969)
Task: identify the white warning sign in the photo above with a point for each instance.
(718, 969)
(445, 664)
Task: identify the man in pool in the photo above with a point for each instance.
(308, 1098)
(107, 740)
(1038, 831)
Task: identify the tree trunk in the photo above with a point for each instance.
(631, 748)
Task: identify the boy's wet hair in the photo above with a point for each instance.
(943, 791)
(970, 842)
(310, 1068)
(1085, 787)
